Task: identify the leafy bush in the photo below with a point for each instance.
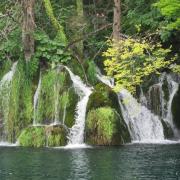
(50, 50)
(129, 61)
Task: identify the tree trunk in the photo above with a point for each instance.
(117, 20)
(28, 27)
(80, 13)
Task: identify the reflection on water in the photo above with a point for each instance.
(79, 165)
(130, 162)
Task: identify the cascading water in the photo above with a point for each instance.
(173, 88)
(76, 135)
(56, 105)
(142, 124)
(36, 98)
(160, 100)
(5, 91)
(64, 111)
(104, 79)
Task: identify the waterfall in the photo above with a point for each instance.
(76, 135)
(5, 92)
(142, 124)
(104, 79)
(173, 88)
(64, 111)
(56, 105)
(160, 100)
(142, 98)
(36, 99)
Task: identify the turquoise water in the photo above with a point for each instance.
(127, 162)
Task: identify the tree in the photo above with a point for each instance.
(28, 27)
(129, 61)
(117, 19)
(80, 14)
(171, 10)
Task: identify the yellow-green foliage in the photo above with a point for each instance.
(60, 30)
(176, 68)
(129, 61)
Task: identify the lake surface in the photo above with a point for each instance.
(127, 162)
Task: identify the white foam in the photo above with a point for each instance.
(74, 146)
(7, 144)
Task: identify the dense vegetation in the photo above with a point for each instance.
(128, 40)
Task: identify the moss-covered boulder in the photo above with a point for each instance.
(104, 126)
(57, 98)
(176, 109)
(33, 137)
(56, 136)
(42, 136)
(102, 96)
(71, 107)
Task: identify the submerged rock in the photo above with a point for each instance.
(104, 126)
(41, 136)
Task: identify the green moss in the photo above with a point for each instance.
(92, 72)
(33, 137)
(76, 68)
(56, 136)
(103, 96)
(53, 87)
(21, 105)
(104, 127)
(43, 136)
(59, 28)
(70, 109)
(5, 66)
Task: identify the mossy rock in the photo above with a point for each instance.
(104, 126)
(71, 109)
(165, 89)
(149, 81)
(42, 136)
(56, 136)
(168, 132)
(76, 68)
(46, 104)
(33, 137)
(102, 96)
(176, 109)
